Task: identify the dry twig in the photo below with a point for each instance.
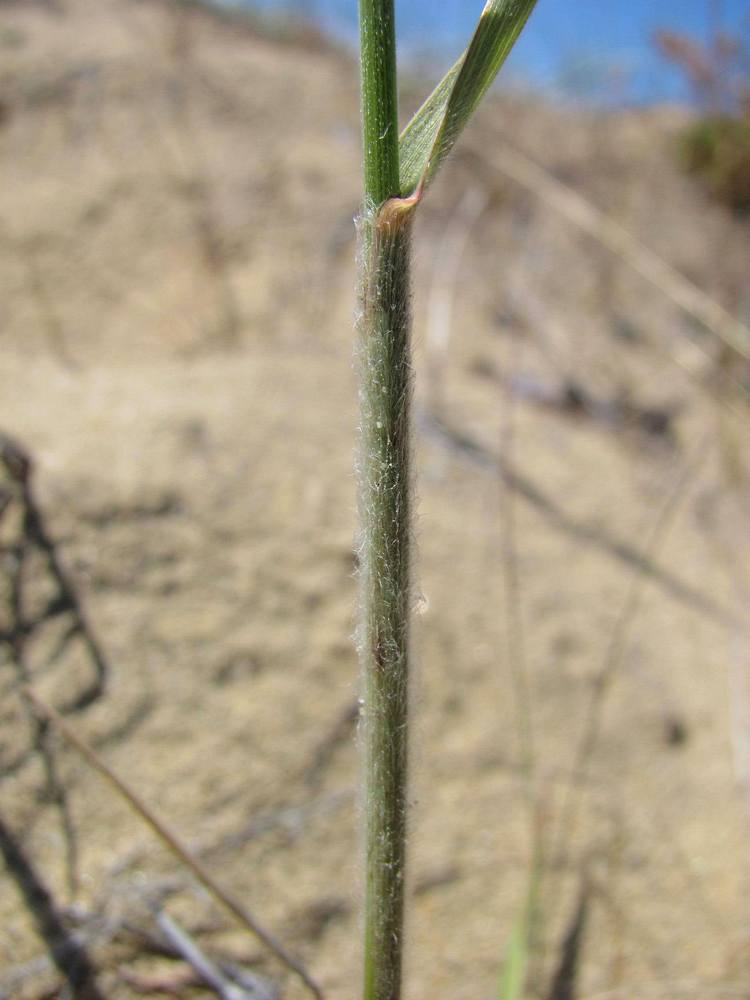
(176, 846)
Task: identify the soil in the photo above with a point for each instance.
(176, 275)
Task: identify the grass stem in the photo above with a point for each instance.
(384, 501)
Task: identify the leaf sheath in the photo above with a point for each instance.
(385, 502)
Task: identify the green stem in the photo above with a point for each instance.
(384, 500)
(379, 99)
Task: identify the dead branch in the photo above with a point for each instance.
(207, 971)
(19, 466)
(173, 843)
(67, 953)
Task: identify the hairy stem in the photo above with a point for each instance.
(384, 501)
(384, 510)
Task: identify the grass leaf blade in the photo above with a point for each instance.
(431, 134)
(418, 138)
(518, 950)
(516, 958)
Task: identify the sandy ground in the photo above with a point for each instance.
(176, 272)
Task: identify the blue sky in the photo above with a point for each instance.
(601, 46)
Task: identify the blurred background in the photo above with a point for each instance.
(177, 500)
(605, 54)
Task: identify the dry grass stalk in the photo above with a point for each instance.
(578, 210)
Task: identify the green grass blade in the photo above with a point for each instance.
(513, 975)
(418, 138)
(518, 950)
(432, 132)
